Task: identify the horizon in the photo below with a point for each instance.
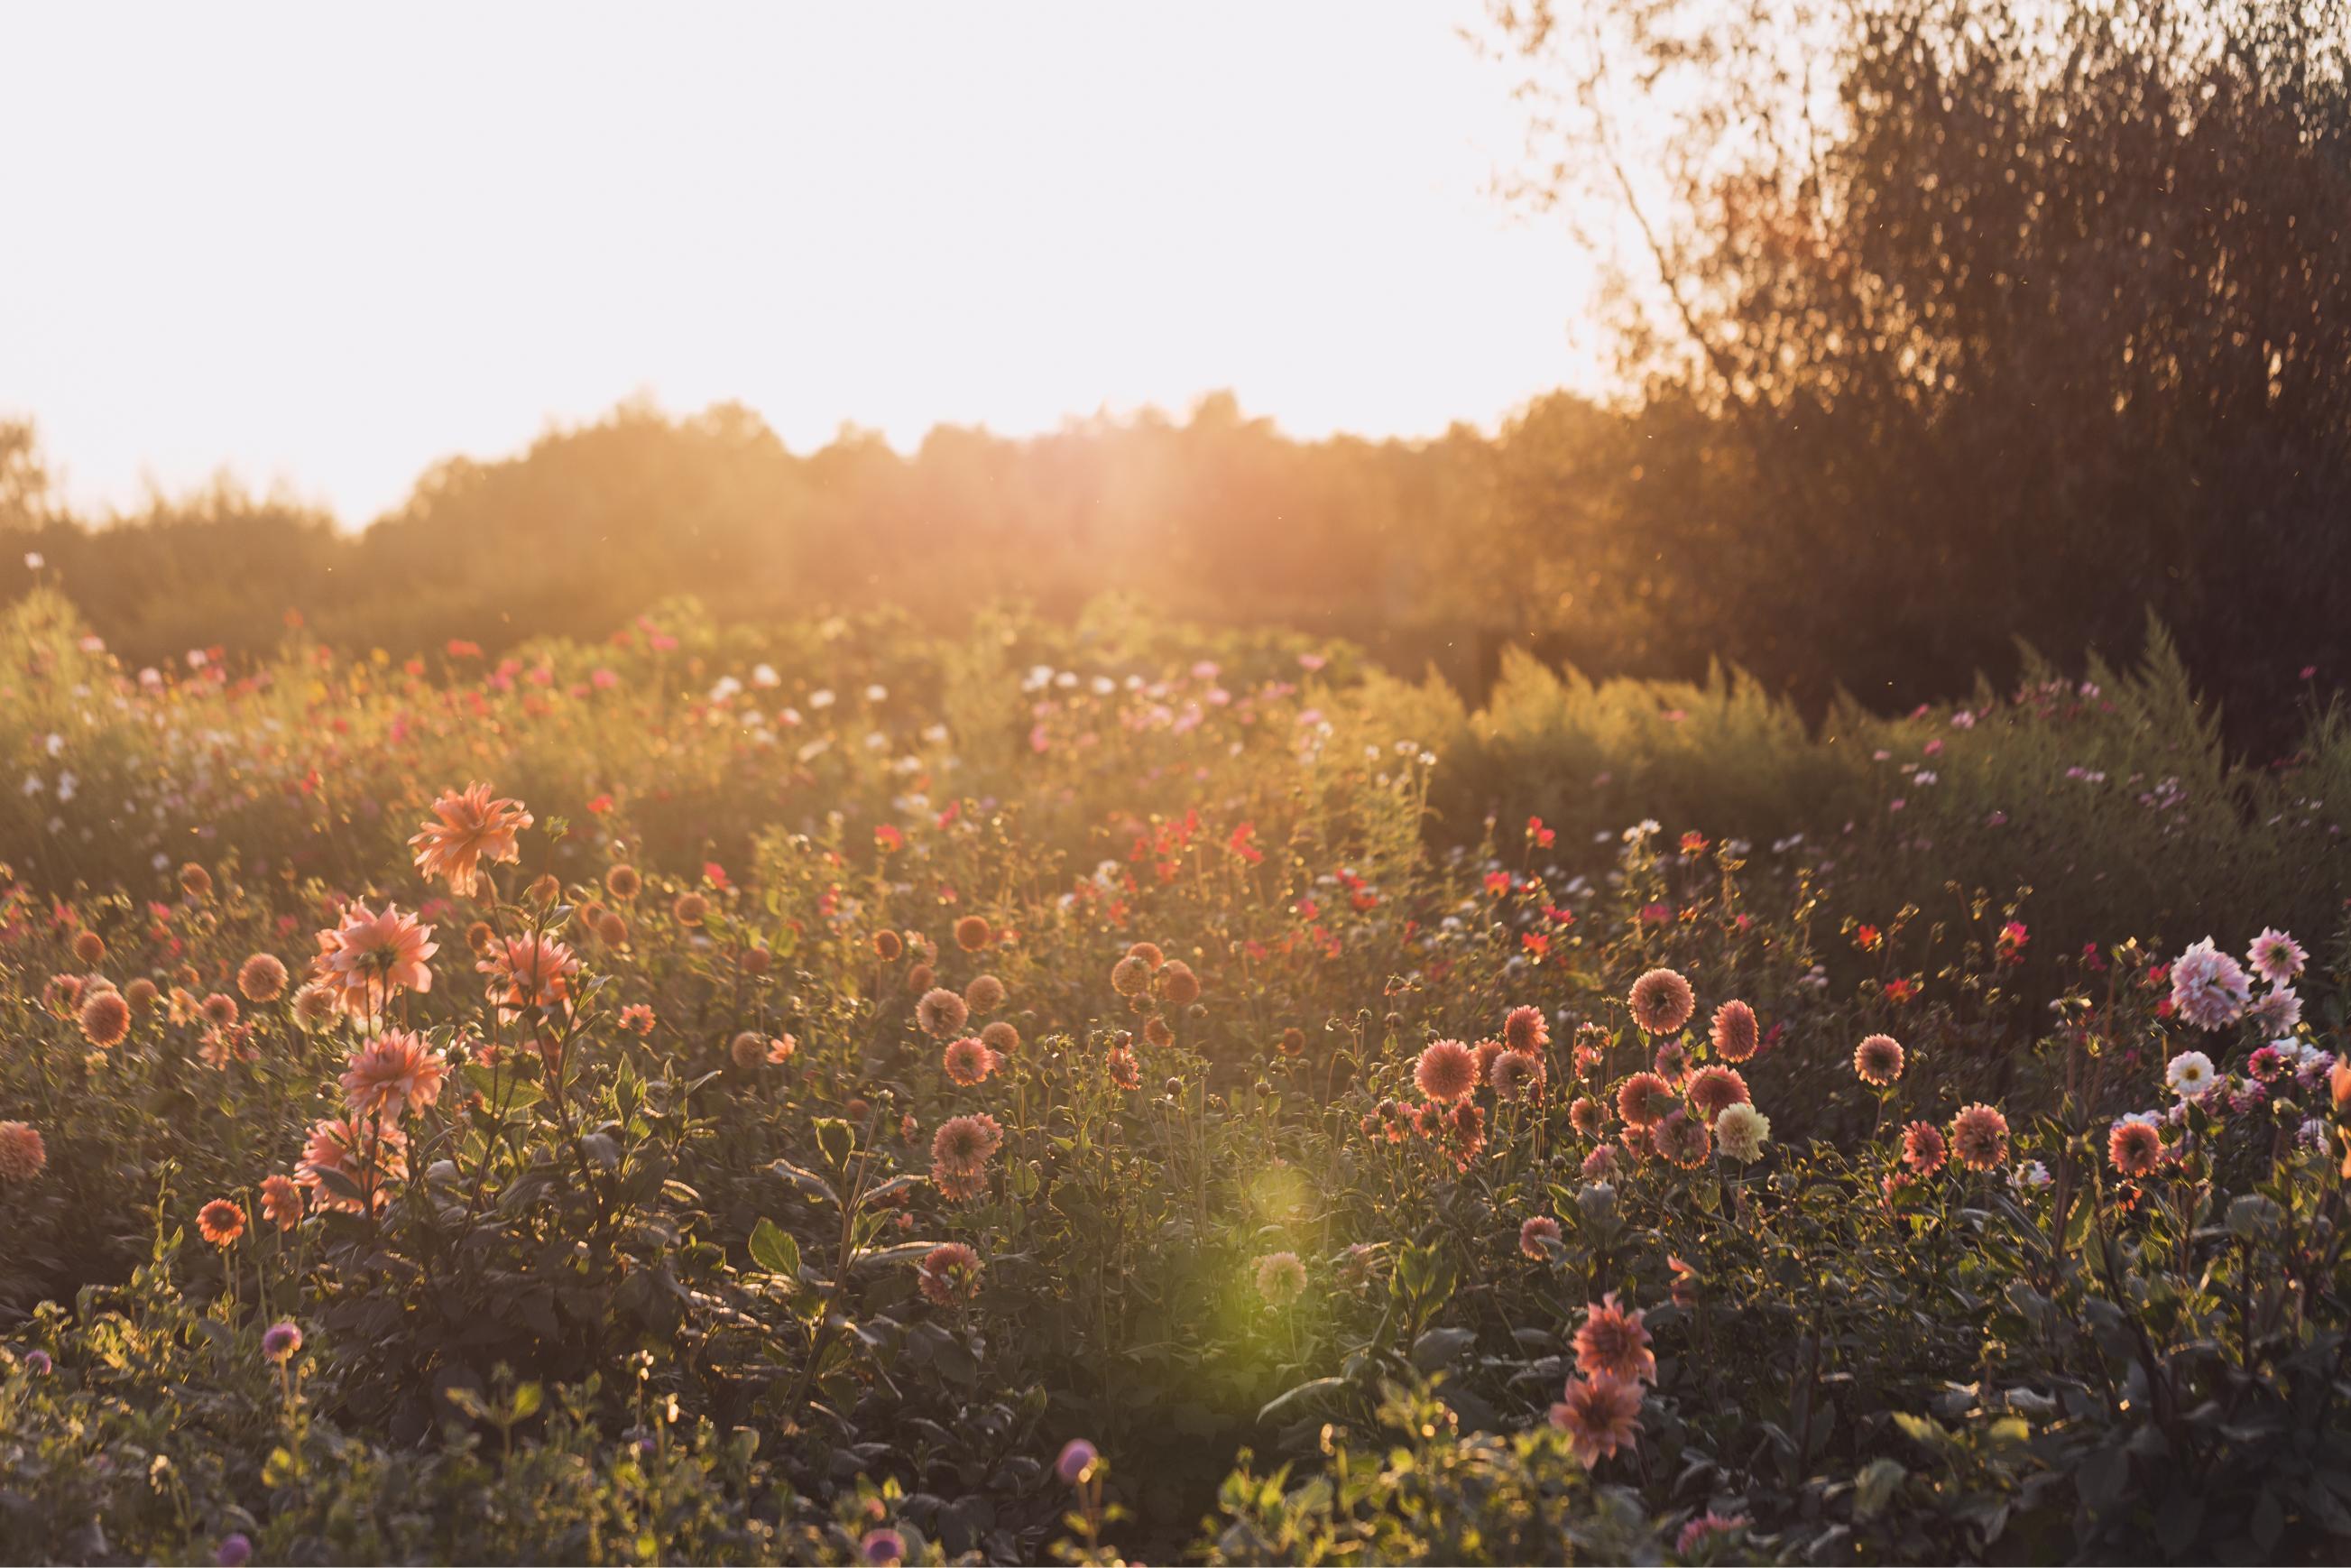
(472, 242)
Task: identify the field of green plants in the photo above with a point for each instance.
(839, 1092)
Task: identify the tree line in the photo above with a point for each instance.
(1967, 322)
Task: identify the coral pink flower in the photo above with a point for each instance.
(1923, 1149)
(1695, 1532)
(1877, 1060)
(968, 1062)
(348, 1165)
(1645, 1099)
(1446, 1071)
(1517, 1075)
(1713, 1090)
(2135, 1148)
(22, 1153)
(105, 1019)
(1662, 1002)
(941, 1012)
(220, 1222)
(1613, 1344)
(261, 978)
(281, 1201)
(393, 1073)
(960, 1151)
(1734, 1034)
(1525, 1029)
(949, 1273)
(1600, 1415)
(370, 957)
(1980, 1137)
(1586, 1116)
(1537, 1236)
(1685, 1140)
(531, 971)
(470, 827)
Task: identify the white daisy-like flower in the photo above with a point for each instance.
(2189, 1074)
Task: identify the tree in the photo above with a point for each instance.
(2020, 318)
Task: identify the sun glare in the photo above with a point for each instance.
(365, 242)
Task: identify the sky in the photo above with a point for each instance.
(321, 247)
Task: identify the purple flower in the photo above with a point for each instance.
(884, 1546)
(1077, 1461)
(39, 1360)
(235, 1551)
(280, 1340)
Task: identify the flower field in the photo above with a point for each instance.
(839, 1092)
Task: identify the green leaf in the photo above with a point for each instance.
(1875, 1485)
(1441, 1347)
(904, 1252)
(836, 1138)
(773, 1249)
(1297, 1401)
(807, 1181)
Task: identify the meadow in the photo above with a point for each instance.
(842, 1091)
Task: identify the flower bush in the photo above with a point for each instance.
(827, 1093)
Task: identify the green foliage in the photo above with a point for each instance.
(708, 1251)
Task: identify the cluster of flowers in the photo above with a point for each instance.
(1678, 1109)
(2281, 1071)
(1449, 1073)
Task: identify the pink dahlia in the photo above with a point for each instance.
(469, 827)
(370, 957)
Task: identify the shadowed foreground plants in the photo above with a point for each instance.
(823, 1095)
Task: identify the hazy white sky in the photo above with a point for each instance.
(324, 244)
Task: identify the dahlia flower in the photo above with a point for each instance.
(392, 1074)
(366, 1155)
(2189, 1074)
(370, 957)
(1740, 1132)
(220, 1222)
(1734, 1034)
(22, 1153)
(1661, 1001)
(949, 1273)
(1611, 1343)
(469, 827)
(1281, 1278)
(1980, 1137)
(1877, 1060)
(2276, 956)
(1446, 1071)
(528, 972)
(2208, 988)
(1712, 1090)
(941, 1012)
(1600, 1415)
